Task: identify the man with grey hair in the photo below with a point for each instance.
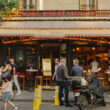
(77, 70)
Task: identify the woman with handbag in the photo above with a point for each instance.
(6, 91)
(7, 69)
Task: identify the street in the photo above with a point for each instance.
(20, 105)
(25, 102)
(49, 106)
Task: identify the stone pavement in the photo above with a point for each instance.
(49, 106)
(21, 106)
(25, 102)
(91, 107)
(48, 96)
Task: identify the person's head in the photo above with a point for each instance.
(63, 61)
(57, 61)
(7, 62)
(75, 62)
(12, 60)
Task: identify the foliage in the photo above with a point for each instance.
(6, 6)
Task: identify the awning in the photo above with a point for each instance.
(55, 24)
(55, 29)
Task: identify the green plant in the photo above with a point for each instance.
(6, 6)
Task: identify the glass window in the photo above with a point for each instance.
(28, 4)
(31, 4)
(24, 4)
(88, 4)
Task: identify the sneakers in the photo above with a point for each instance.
(19, 93)
(15, 108)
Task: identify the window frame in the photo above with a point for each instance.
(95, 5)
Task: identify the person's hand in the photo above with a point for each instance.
(53, 78)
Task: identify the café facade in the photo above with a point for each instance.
(30, 37)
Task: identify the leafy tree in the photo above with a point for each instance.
(6, 7)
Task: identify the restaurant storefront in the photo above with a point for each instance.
(56, 34)
(32, 52)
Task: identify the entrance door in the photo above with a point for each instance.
(52, 51)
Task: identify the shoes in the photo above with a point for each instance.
(15, 108)
(68, 105)
(61, 104)
(19, 93)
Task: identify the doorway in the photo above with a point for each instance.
(51, 51)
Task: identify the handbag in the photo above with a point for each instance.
(83, 82)
(6, 73)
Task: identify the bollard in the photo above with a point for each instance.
(36, 103)
(40, 94)
(57, 96)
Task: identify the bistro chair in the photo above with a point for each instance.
(47, 79)
(37, 80)
(21, 80)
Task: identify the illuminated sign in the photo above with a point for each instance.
(60, 13)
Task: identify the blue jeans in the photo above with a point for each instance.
(63, 86)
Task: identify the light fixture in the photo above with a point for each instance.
(77, 49)
(93, 48)
(73, 50)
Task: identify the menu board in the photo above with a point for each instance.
(46, 65)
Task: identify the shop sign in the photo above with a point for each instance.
(46, 66)
(60, 13)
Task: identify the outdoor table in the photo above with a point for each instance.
(31, 71)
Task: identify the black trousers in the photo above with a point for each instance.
(63, 85)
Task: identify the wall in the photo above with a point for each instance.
(61, 4)
(103, 4)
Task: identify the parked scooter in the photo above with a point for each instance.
(79, 91)
(85, 95)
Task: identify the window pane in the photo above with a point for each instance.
(88, 4)
(83, 4)
(31, 4)
(92, 4)
(24, 4)
(28, 4)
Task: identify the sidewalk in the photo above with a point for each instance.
(47, 96)
(90, 107)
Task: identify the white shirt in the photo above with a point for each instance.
(94, 66)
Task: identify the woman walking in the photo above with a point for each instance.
(6, 91)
